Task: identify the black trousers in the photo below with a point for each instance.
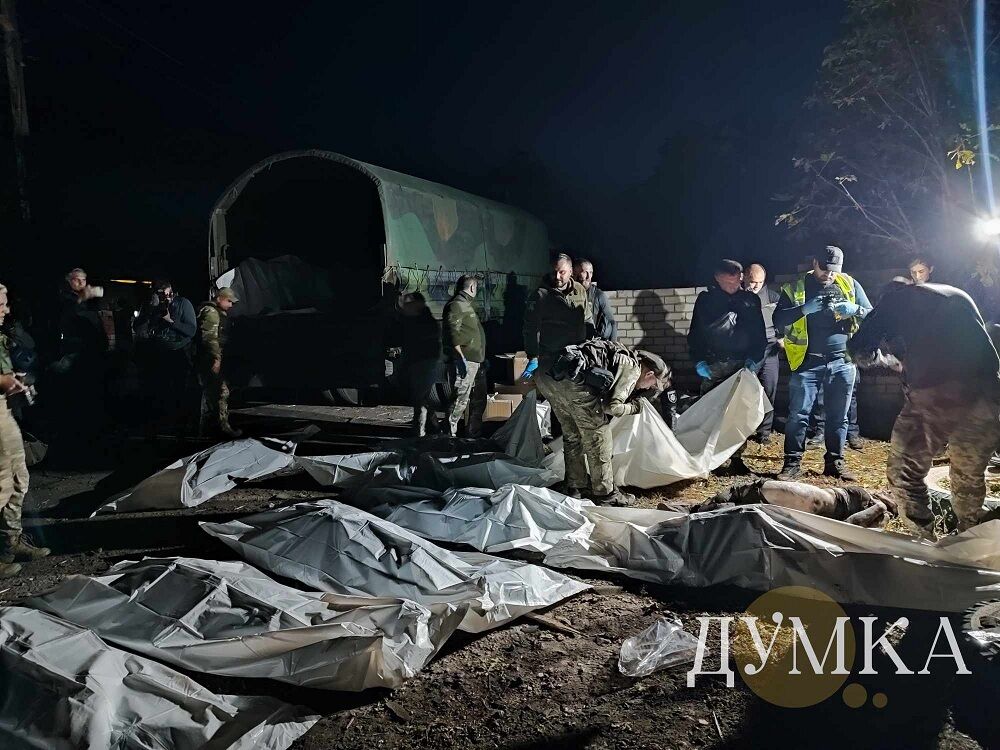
(768, 377)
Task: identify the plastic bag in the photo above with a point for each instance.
(665, 643)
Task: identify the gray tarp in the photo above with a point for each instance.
(196, 479)
(513, 517)
(761, 547)
(228, 618)
(63, 688)
(329, 546)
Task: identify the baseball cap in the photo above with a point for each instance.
(227, 293)
(832, 258)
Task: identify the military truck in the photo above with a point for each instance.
(319, 246)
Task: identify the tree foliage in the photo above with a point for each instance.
(894, 166)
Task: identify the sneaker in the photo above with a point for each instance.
(854, 442)
(9, 569)
(616, 499)
(25, 550)
(839, 470)
(789, 472)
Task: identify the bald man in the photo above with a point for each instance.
(754, 282)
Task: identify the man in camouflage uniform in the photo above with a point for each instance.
(933, 334)
(588, 385)
(14, 545)
(465, 347)
(212, 325)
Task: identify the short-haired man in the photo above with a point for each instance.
(588, 385)
(755, 282)
(727, 333)
(921, 270)
(14, 545)
(600, 309)
(212, 333)
(819, 312)
(465, 347)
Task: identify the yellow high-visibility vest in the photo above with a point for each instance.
(797, 334)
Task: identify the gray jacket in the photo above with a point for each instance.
(604, 319)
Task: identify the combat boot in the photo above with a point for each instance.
(789, 472)
(229, 431)
(23, 549)
(616, 498)
(838, 469)
(9, 569)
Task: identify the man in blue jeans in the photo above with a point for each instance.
(820, 311)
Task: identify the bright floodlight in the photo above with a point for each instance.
(988, 228)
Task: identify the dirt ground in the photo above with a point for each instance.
(527, 685)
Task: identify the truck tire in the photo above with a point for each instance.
(441, 395)
(343, 396)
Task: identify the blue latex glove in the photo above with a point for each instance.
(751, 364)
(846, 309)
(461, 367)
(702, 369)
(530, 369)
(814, 305)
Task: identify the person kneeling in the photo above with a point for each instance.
(595, 381)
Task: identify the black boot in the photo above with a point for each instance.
(790, 471)
(838, 469)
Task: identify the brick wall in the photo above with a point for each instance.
(659, 319)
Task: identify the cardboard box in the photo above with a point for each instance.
(500, 406)
(518, 388)
(510, 367)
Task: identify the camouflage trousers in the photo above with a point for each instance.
(967, 419)
(214, 400)
(465, 391)
(13, 476)
(586, 433)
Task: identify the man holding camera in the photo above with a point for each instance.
(169, 325)
(820, 311)
(13, 470)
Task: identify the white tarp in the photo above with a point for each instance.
(513, 517)
(191, 481)
(229, 618)
(63, 688)
(646, 453)
(328, 546)
(760, 547)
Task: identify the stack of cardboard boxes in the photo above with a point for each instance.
(508, 390)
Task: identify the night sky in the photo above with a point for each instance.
(649, 136)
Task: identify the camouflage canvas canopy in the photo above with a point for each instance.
(429, 234)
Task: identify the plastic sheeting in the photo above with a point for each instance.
(761, 547)
(229, 618)
(63, 688)
(424, 469)
(513, 517)
(191, 481)
(329, 546)
(646, 453)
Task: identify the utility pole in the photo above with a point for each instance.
(18, 102)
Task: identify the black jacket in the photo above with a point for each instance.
(936, 333)
(604, 318)
(727, 326)
(421, 337)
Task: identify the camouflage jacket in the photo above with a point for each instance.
(556, 319)
(6, 365)
(462, 328)
(619, 397)
(212, 324)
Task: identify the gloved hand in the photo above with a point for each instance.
(845, 309)
(814, 305)
(461, 367)
(751, 364)
(530, 369)
(702, 369)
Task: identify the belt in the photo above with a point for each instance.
(828, 357)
